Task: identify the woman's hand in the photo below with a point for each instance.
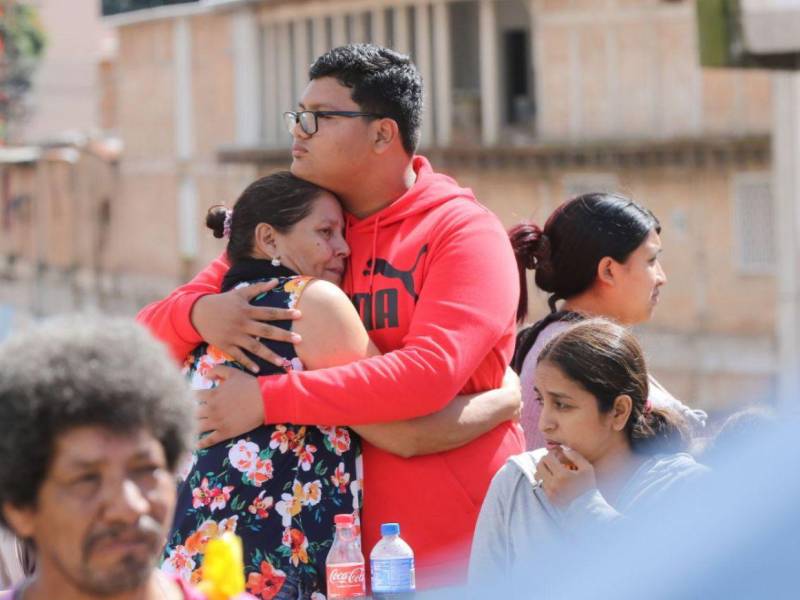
(564, 475)
(229, 322)
(230, 409)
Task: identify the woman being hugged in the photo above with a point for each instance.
(597, 255)
(279, 486)
(608, 452)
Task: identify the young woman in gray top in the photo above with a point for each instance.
(608, 453)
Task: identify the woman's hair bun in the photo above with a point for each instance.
(215, 220)
(531, 246)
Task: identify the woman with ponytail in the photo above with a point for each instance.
(597, 255)
(608, 452)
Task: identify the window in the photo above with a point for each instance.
(754, 224)
(519, 105)
(114, 7)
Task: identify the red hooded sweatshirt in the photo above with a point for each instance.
(434, 279)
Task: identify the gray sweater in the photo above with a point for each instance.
(517, 522)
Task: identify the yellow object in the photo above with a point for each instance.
(223, 568)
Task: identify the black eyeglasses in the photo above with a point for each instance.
(308, 118)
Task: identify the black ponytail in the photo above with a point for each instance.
(532, 251)
(658, 430)
(576, 237)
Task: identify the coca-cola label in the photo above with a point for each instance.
(346, 580)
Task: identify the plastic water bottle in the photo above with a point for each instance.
(392, 566)
(345, 563)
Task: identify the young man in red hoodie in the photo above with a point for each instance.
(433, 277)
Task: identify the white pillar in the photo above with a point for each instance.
(359, 27)
(443, 90)
(246, 77)
(283, 78)
(490, 106)
(338, 30)
(786, 185)
(422, 26)
(188, 217)
(188, 220)
(184, 134)
(270, 80)
(400, 32)
(319, 37)
(378, 26)
(301, 58)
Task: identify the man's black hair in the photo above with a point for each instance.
(383, 81)
(84, 371)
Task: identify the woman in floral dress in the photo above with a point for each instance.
(277, 487)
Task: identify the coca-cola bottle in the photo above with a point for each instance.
(345, 563)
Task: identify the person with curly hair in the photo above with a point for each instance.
(95, 421)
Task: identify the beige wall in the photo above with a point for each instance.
(64, 95)
(146, 239)
(704, 292)
(629, 69)
(58, 226)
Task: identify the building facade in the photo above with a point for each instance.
(529, 102)
(64, 97)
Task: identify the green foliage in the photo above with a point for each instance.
(721, 40)
(22, 45)
(22, 33)
(714, 25)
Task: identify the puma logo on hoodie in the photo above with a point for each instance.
(385, 268)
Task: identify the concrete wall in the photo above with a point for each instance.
(64, 94)
(150, 104)
(629, 69)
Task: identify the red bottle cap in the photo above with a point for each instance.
(343, 519)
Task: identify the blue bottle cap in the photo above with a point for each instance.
(390, 529)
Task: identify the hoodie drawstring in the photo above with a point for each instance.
(350, 267)
(374, 250)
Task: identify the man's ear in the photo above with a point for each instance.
(19, 519)
(385, 132)
(607, 271)
(621, 412)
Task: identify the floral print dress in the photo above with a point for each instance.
(278, 487)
